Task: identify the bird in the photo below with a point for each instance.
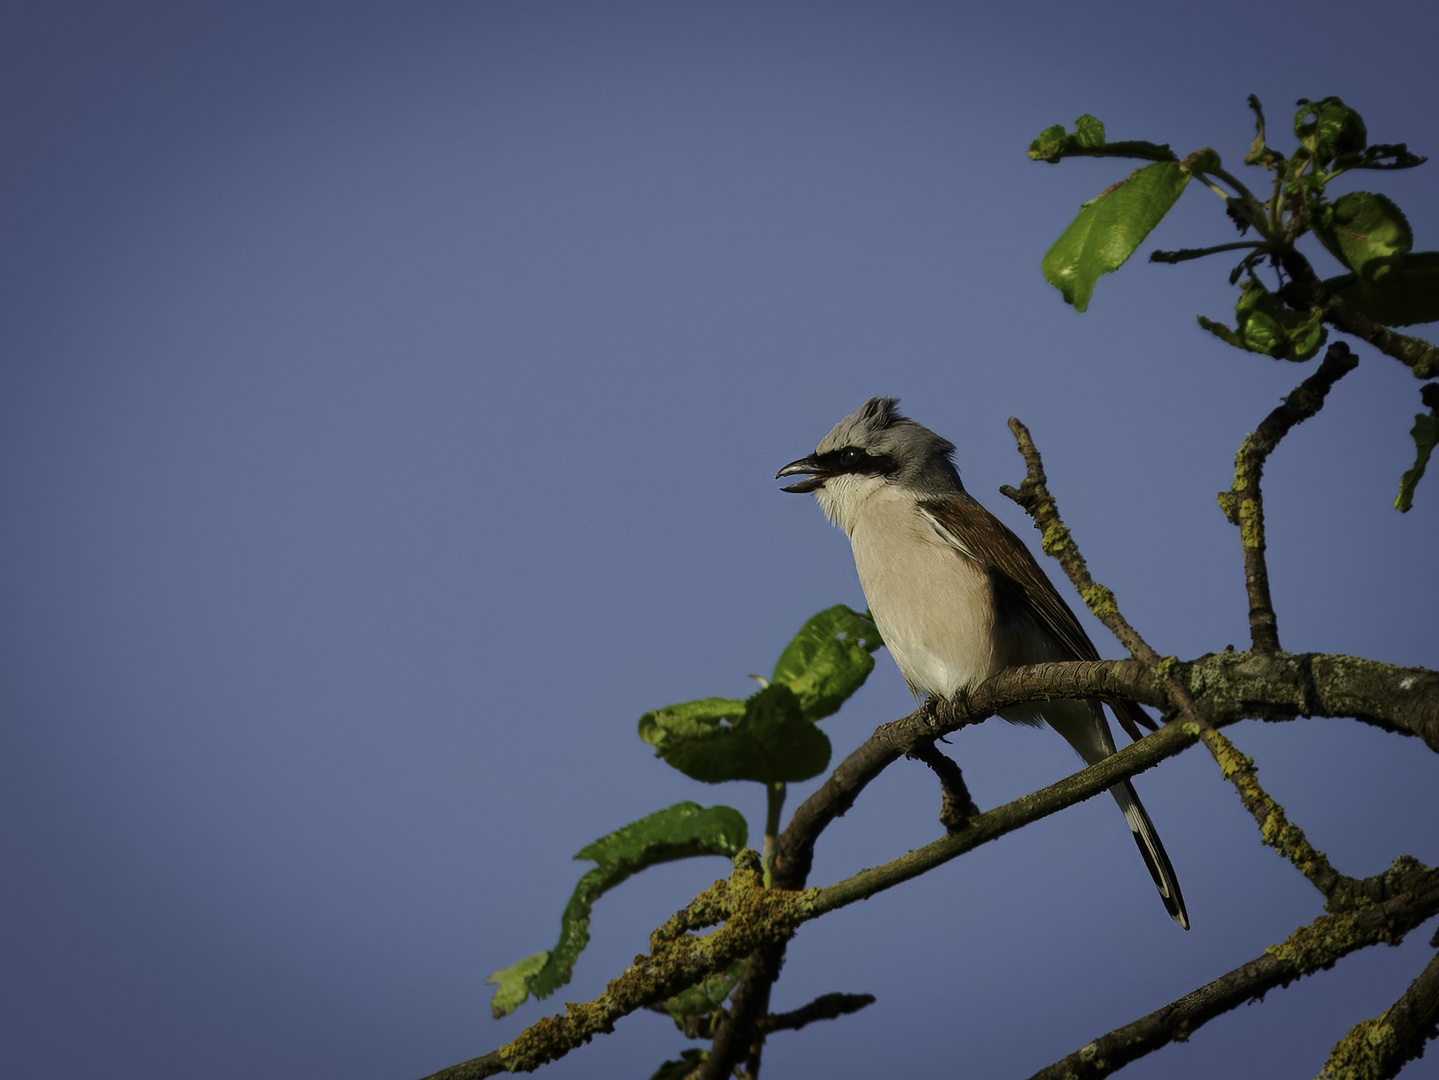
(956, 596)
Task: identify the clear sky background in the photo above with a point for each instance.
(390, 400)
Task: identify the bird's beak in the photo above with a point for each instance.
(814, 474)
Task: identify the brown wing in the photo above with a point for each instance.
(1018, 580)
(974, 531)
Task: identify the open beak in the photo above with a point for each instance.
(812, 470)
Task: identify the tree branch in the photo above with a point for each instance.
(750, 917)
(1085, 784)
(956, 805)
(1225, 688)
(1304, 952)
(738, 1036)
(794, 852)
(824, 1007)
(1275, 829)
(1033, 495)
(1377, 1049)
(1243, 504)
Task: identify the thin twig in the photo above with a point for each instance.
(1185, 254)
(1033, 495)
(1275, 829)
(1243, 504)
(824, 1007)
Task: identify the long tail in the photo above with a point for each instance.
(1152, 851)
(1083, 726)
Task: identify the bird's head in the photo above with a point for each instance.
(872, 448)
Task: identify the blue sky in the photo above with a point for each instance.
(391, 396)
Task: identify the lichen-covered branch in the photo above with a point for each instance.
(1243, 504)
(490, 1064)
(739, 1035)
(1377, 1049)
(1275, 828)
(1224, 688)
(1307, 950)
(749, 916)
(1033, 495)
(1287, 685)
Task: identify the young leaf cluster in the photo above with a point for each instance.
(1385, 282)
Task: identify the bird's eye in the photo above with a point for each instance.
(851, 456)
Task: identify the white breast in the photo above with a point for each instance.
(932, 604)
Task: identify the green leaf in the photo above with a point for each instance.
(677, 832)
(1305, 334)
(1404, 293)
(771, 737)
(1089, 131)
(1365, 231)
(682, 831)
(1259, 152)
(1330, 129)
(1262, 333)
(1426, 435)
(772, 742)
(1266, 326)
(655, 727)
(706, 996)
(512, 982)
(828, 660)
(1110, 227)
(1050, 144)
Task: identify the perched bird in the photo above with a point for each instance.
(956, 595)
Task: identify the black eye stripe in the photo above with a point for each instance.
(851, 459)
